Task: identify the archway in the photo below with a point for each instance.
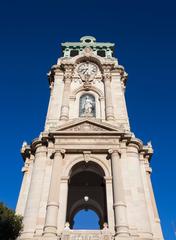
(91, 220)
(86, 191)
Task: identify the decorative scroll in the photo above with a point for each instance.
(86, 126)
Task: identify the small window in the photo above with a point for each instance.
(74, 53)
(101, 53)
(88, 40)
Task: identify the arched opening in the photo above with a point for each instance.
(86, 191)
(91, 220)
(87, 106)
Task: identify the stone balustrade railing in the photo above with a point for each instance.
(86, 235)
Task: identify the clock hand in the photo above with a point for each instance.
(84, 70)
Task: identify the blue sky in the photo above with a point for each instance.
(145, 37)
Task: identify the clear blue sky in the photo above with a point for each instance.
(145, 37)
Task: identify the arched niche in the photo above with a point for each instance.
(87, 105)
(86, 190)
(94, 97)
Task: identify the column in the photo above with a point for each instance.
(63, 203)
(33, 201)
(66, 93)
(121, 225)
(45, 192)
(50, 229)
(109, 201)
(108, 94)
(138, 190)
(102, 108)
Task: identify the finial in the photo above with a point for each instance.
(149, 144)
(88, 39)
(67, 226)
(24, 144)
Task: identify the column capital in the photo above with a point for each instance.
(107, 72)
(65, 179)
(68, 71)
(40, 148)
(108, 179)
(107, 77)
(59, 152)
(148, 170)
(112, 151)
(56, 71)
(107, 67)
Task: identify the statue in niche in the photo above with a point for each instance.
(87, 106)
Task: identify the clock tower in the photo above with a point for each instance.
(87, 157)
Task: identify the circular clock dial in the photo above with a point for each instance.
(87, 68)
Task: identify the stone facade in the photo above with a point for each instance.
(87, 132)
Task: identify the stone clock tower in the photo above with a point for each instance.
(87, 157)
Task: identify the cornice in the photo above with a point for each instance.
(135, 142)
(37, 142)
(56, 70)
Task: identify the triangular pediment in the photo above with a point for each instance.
(88, 125)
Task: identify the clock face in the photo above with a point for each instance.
(87, 69)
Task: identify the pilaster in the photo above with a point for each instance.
(108, 93)
(65, 100)
(63, 203)
(109, 200)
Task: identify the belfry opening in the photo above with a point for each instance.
(86, 191)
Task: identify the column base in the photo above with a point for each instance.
(50, 238)
(64, 118)
(50, 233)
(123, 238)
(110, 118)
(27, 235)
(38, 232)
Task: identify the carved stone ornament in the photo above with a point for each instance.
(87, 71)
(68, 71)
(107, 71)
(86, 127)
(86, 155)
